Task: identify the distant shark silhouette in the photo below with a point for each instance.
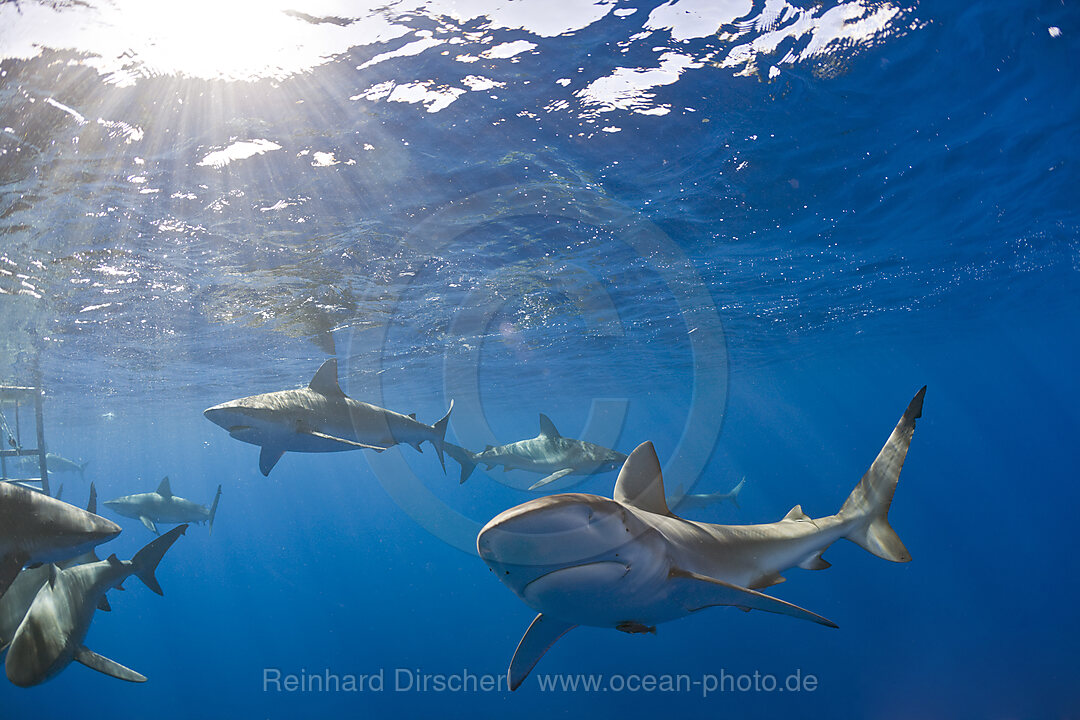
(19, 596)
(52, 633)
(162, 506)
(35, 528)
(548, 452)
(694, 501)
(321, 418)
(628, 563)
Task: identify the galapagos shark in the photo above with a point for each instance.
(35, 528)
(161, 506)
(694, 501)
(53, 463)
(52, 633)
(16, 601)
(321, 418)
(629, 563)
(548, 452)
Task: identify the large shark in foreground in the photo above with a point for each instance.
(20, 595)
(52, 633)
(35, 528)
(161, 506)
(320, 418)
(548, 452)
(628, 563)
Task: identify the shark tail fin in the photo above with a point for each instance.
(213, 509)
(464, 458)
(439, 441)
(869, 502)
(735, 493)
(147, 559)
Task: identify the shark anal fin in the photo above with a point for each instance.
(700, 592)
(541, 635)
(149, 524)
(268, 458)
(102, 664)
(343, 441)
(551, 478)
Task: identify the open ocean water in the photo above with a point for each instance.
(746, 231)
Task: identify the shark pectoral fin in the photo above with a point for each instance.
(343, 441)
(10, 565)
(268, 458)
(102, 664)
(149, 524)
(104, 605)
(700, 592)
(551, 478)
(540, 636)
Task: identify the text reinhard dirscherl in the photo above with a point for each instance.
(413, 680)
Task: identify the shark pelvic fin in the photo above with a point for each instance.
(163, 489)
(551, 478)
(10, 565)
(268, 458)
(547, 428)
(103, 604)
(325, 381)
(815, 561)
(541, 635)
(641, 483)
(102, 664)
(149, 524)
(700, 592)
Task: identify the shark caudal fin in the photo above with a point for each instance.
(147, 559)
(733, 494)
(464, 458)
(870, 500)
(439, 441)
(213, 509)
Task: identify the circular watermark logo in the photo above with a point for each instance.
(599, 312)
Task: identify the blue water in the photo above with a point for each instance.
(752, 257)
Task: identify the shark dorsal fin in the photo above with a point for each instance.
(325, 381)
(91, 504)
(796, 513)
(547, 428)
(163, 489)
(641, 483)
(53, 573)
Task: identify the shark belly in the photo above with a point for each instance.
(47, 638)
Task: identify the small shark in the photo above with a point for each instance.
(629, 563)
(35, 528)
(694, 501)
(52, 633)
(53, 463)
(20, 595)
(321, 418)
(548, 452)
(164, 507)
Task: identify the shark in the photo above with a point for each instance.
(53, 463)
(161, 506)
(549, 452)
(628, 563)
(35, 528)
(696, 501)
(321, 418)
(19, 596)
(52, 633)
